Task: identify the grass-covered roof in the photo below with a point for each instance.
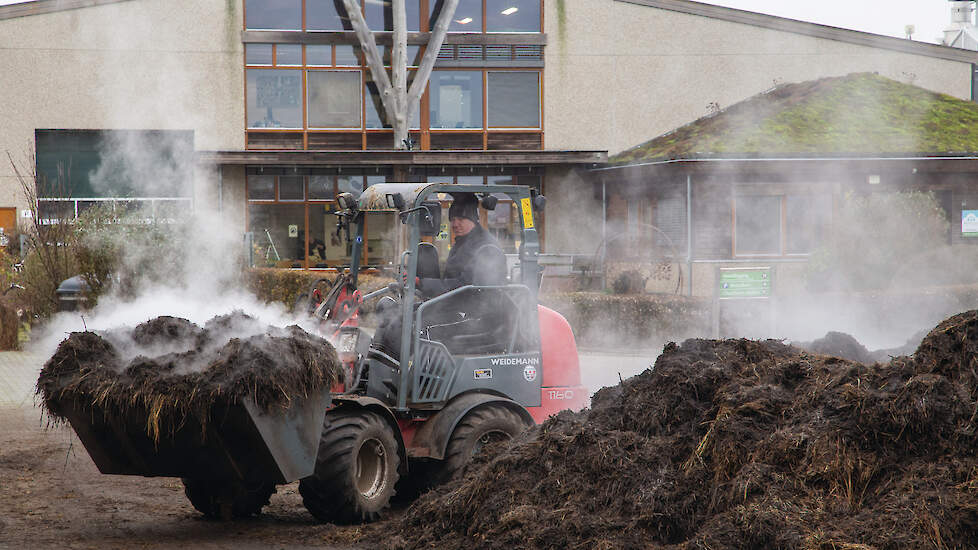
(853, 114)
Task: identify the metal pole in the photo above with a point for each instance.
(689, 234)
(604, 229)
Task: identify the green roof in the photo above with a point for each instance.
(861, 113)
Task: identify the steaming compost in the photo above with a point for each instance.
(737, 444)
(168, 368)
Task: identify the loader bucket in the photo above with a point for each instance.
(239, 441)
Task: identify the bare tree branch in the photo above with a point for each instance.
(399, 74)
(431, 53)
(374, 61)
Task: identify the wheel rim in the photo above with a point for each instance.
(371, 468)
(491, 436)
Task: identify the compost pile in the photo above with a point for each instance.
(168, 368)
(737, 444)
(840, 344)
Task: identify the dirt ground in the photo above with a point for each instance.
(53, 496)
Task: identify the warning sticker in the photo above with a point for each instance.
(483, 374)
(527, 213)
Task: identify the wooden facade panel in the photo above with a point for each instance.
(515, 141)
(274, 140)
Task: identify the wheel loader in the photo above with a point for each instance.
(475, 365)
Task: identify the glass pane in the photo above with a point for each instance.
(807, 222)
(273, 98)
(326, 15)
(288, 54)
(261, 188)
(376, 116)
(513, 15)
(335, 251)
(319, 55)
(290, 188)
(472, 180)
(757, 229)
(349, 184)
(279, 234)
(468, 15)
(279, 15)
(346, 55)
(456, 99)
(502, 224)
(258, 54)
(379, 15)
(320, 187)
(334, 99)
(513, 99)
(381, 235)
(371, 180)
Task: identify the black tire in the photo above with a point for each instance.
(356, 469)
(484, 425)
(225, 500)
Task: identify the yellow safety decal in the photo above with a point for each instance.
(527, 213)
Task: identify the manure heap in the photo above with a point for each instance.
(168, 368)
(737, 444)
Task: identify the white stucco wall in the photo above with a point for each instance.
(141, 64)
(619, 74)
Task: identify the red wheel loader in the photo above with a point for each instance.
(474, 365)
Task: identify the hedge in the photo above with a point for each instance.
(635, 321)
(285, 285)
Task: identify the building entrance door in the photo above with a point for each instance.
(8, 220)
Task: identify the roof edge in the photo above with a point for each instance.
(39, 7)
(397, 157)
(790, 158)
(811, 29)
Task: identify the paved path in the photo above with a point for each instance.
(18, 374)
(600, 368)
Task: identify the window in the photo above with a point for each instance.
(807, 222)
(325, 15)
(468, 15)
(261, 188)
(758, 225)
(274, 98)
(456, 99)
(380, 17)
(780, 224)
(376, 116)
(84, 164)
(513, 99)
(258, 54)
(278, 15)
(334, 99)
(347, 55)
(290, 188)
(288, 54)
(278, 234)
(321, 187)
(513, 15)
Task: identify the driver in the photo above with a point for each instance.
(475, 258)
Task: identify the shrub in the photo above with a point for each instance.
(286, 285)
(642, 321)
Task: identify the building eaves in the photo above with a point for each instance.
(38, 7)
(374, 158)
(810, 29)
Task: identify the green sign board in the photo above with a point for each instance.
(744, 282)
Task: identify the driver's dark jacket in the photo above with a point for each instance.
(475, 259)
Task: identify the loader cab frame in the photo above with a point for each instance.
(417, 207)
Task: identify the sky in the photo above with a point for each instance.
(888, 17)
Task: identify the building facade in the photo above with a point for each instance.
(280, 112)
